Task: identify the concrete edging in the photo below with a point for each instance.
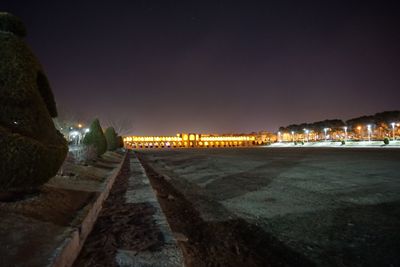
(141, 191)
(66, 253)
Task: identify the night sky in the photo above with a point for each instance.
(162, 67)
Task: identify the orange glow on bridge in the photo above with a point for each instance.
(192, 140)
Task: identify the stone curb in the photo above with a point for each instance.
(67, 252)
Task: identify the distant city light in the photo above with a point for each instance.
(369, 132)
(307, 132)
(74, 134)
(393, 126)
(325, 130)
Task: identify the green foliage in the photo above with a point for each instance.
(343, 142)
(46, 93)
(120, 141)
(385, 117)
(95, 137)
(31, 149)
(111, 137)
(386, 141)
(12, 24)
(315, 126)
(26, 163)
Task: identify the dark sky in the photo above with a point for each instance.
(216, 66)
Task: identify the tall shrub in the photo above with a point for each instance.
(111, 138)
(120, 141)
(95, 137)
(386, 141)
(31, 148)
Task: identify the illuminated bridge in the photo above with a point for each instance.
(192, 140)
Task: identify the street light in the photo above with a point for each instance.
(361, 136)
(325, 130)
(369, 132)
(279, 137)
(75, 136)
(306, 131)
(345, 133)
(393, 126)
(293, 136)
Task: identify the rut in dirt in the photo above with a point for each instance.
(120, 225)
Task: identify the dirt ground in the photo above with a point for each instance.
(232, 242)
(281, 206)
(120, 225)
(33, 225)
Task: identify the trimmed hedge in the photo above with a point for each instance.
(120, 141)
(96, 138)
(386, 141)
(12, 24)
(111, 137)
(31, 149)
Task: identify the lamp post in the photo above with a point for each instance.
(293, 136)
(369, 132)
(279, 137)
(307, 132)
(345, 133)
(393, 126)
(360, 133)
(325, 130)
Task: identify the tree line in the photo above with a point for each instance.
(383, 119)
